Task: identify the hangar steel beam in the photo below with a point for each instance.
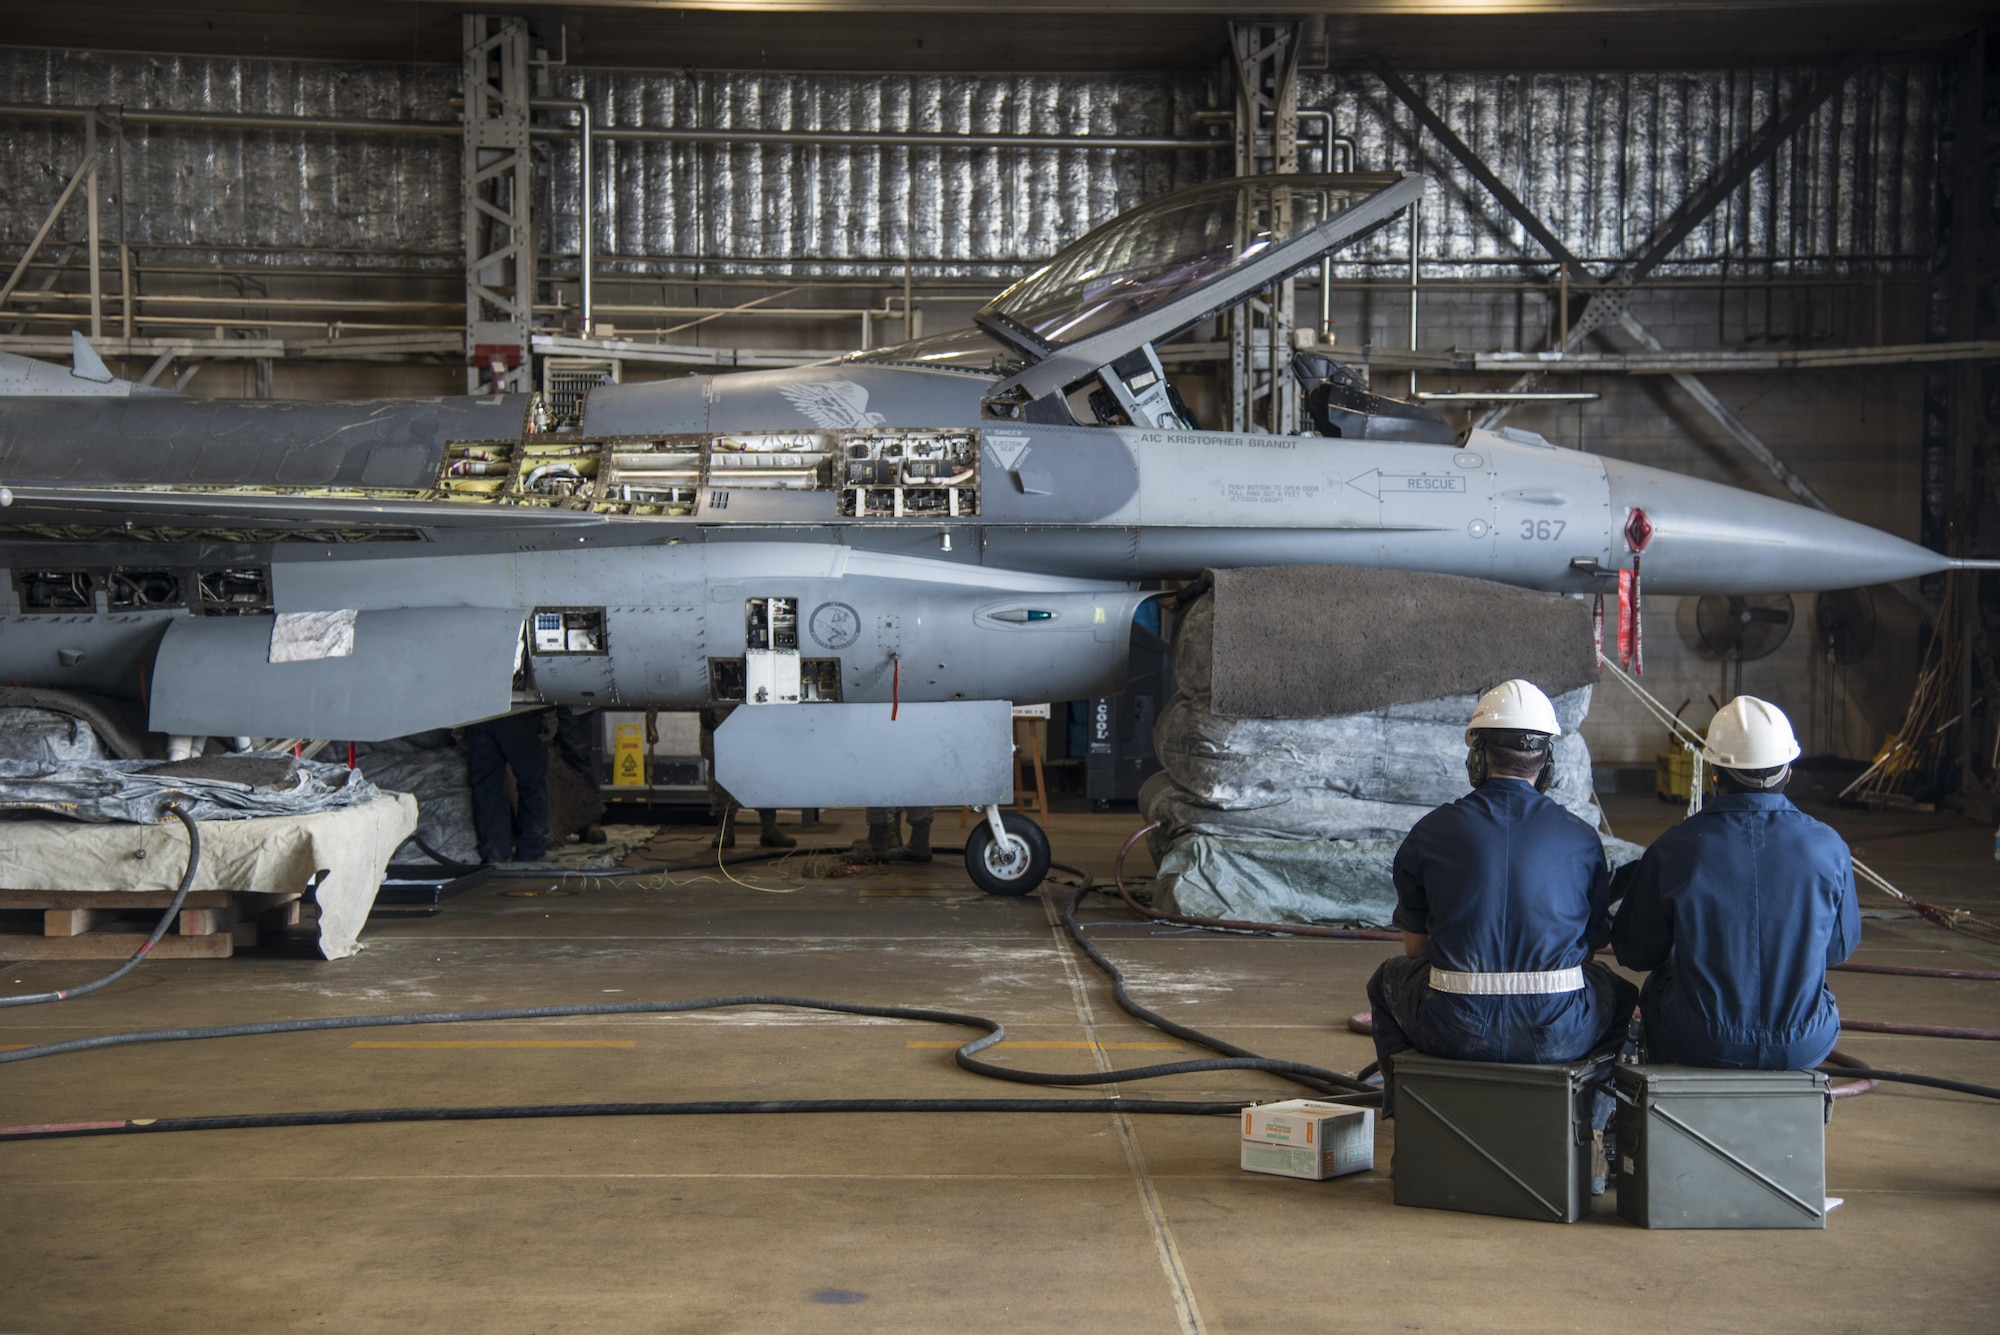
(1475, 164)
(1267, 142)
(1607, 305)
(495, 180)
(1755, 154)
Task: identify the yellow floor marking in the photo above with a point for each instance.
(497, 1043)
(1046, 1044)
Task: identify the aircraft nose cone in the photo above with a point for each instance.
(1711, 538)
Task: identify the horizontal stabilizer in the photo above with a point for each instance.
(24, 377)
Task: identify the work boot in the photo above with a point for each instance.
(772, 836)
(880, 844)
(917, 848)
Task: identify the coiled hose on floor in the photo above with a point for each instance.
(1322, 1082)
(1326, 1083)
(146, 947)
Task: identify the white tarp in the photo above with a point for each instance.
(1298, 820)
(306, 637)
(266, 855)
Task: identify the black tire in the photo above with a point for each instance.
(995, 874)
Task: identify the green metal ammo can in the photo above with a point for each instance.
(1493, 1138)
(1701, 1148)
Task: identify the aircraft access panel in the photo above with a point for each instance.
(770, 475)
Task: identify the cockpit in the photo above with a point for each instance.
(1076, 341)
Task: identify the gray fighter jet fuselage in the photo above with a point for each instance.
(965, 519)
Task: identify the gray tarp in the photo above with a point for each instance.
(1322, 641)
(1299, 819)
(210, 788)
(120, 735)
(1411, 753)
(1357, 776)
(430, 766)
(1344, 882)
(1302, 816)
(45, 739)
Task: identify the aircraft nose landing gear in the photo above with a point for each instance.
(1006, 854)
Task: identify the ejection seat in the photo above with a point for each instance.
(1341, 405)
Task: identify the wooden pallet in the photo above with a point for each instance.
(108, 925)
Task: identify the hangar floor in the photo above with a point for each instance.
(895, 1223)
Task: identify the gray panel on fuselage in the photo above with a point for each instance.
(99, 653)
(412, 669)
(391, 444)
(672, 607)
(958, 754)
(1057, 475)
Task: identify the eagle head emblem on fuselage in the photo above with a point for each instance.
(833, 404)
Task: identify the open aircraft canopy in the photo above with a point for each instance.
(1158, 270)
(1143, 259)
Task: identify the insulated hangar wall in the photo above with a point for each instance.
(324, 262)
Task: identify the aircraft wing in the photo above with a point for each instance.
(153, 508)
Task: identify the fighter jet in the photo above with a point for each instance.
(873, 555)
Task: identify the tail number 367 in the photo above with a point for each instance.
(1541, 530)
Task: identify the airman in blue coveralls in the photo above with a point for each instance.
(1739, 911)
(1501, 896)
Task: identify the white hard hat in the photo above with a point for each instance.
(1518, 705)
(1748, 733)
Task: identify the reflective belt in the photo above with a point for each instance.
(1507, 984)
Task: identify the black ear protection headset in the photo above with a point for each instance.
(1475, 757)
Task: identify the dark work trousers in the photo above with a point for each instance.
(492, 747)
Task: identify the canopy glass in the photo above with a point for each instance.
(1171, 246)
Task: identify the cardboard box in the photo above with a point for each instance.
(1308, 1139)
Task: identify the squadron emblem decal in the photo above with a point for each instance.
(834, 626)
(833, 404)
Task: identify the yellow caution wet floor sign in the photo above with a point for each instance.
(628, 757)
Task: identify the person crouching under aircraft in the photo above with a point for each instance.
(1739, 911)
(1501, 897)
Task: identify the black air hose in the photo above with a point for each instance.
(1905, 1078)
(1316, 1077)
(505, 1112)
(1327, 1084)
(166, 920)
(452, 865)
(1237, 1059)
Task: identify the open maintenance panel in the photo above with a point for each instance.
(870, 474)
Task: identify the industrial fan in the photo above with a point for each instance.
(1844, 624)
(1741, 628)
